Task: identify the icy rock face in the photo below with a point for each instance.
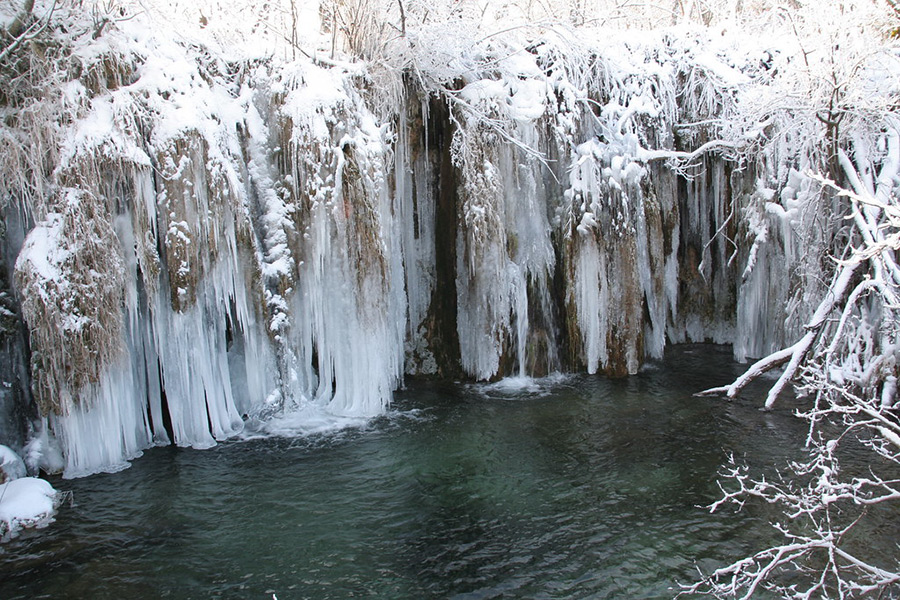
(225, 242)
(608, 253)
(234, 259)
(346, 320)
(504, 254)
(16, 408)
(416, 187)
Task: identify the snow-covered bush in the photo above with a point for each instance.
(846, 365)
(71, 276)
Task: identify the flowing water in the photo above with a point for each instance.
(567, 487)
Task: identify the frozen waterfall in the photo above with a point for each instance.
(219, 243)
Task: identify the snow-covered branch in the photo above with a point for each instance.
(20, 33)
(795, 354)
(846, 360)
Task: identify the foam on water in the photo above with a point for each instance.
(521, 387)
(310, 420)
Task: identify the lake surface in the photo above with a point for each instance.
(568, 487)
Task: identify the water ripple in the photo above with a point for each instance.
(566, 487)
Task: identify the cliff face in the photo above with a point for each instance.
(200, 243)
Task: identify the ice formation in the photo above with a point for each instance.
(213, 240)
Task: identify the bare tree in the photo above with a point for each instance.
(847, 364)
(844, 359)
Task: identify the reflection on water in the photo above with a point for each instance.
(569, 487)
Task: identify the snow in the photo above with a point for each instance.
(45, 249)
(11, 465)
(25, 502)
(7, 15)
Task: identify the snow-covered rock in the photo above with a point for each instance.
(11, 465)
(26, 502)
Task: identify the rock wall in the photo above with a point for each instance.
(216, 245)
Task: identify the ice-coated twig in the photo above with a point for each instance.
(792, 355)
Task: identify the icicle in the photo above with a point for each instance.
(107, 428)
(414, 222)
(282, 250)
(347, 307)
(592, 302)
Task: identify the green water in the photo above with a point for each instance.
(576, 487)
